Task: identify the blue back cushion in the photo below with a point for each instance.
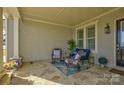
(86, 53)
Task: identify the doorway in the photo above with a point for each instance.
(120, 43)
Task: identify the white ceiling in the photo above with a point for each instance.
(70, 16)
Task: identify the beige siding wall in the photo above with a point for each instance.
(106, 42)
(37, 40)
(1, 39)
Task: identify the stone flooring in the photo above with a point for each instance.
(44, 73)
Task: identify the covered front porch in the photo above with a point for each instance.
(32, 34)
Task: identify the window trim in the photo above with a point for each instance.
(79, 38)
(84, 40)
(90, 38)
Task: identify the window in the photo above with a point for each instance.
(90, 37)
(80, 37)
(86, 37)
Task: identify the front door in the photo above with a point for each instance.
(120, 43)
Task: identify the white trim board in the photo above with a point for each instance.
(46, 22)
(86, 25)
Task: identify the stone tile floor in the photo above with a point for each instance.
(44, 73)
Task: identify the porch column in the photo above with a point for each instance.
(16, 37)
(10, 37)
(1, 39)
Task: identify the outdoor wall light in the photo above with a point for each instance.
(107, 29)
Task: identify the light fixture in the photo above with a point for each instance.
(107, 29)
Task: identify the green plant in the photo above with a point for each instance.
(103, 61)
(71, 45)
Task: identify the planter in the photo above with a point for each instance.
(102, 61)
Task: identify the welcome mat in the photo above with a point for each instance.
(61, 65)
(114, 70)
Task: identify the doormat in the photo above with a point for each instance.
(114, 70)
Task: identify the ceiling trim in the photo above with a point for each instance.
(69, 26)
(46, 22)
(11, 11)
(57, 14)
(31, 15)
(97, 17)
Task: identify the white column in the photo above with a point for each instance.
(16, 37)
(1, 39)
(10, 37)
(5, 31)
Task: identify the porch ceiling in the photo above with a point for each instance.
(70, 16)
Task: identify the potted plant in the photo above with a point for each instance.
(103, 61)
(71, 45)
(11, 65)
